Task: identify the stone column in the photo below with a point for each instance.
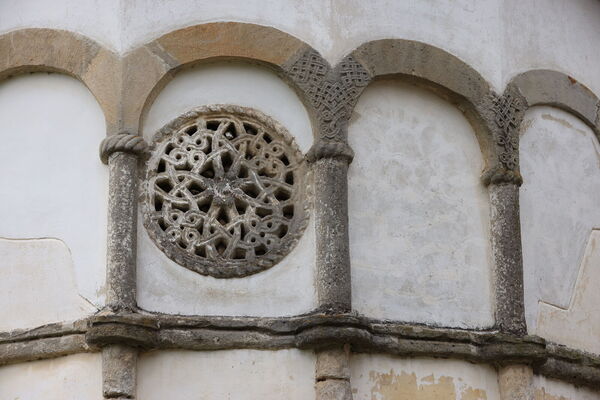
(330, 165)
(503, 180)
(121, 153)
(508, 259)
(515, 380)
(334, 291)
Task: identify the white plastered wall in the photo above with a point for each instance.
(419, 215)
(54, 193)
(74, 377)
(559, 209)
(285, 289)
(383, 377)
(227, 374)
(551, 389)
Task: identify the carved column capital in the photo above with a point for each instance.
(507, 113)
(327, 149)
(122, 142)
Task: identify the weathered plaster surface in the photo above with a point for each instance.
(38, 284)
(231, 83)
(53, 184)
(74, 377)
(552, 34)
(578, 326)
(285, 289)
(561, 171)
(235, 374)
(419, 216)
(551, 389)
(380, 377)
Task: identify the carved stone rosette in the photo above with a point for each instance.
(225, 192)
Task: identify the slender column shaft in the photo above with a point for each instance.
(333, 257)
(122, 217)
(508, 260)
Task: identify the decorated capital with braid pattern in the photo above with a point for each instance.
(123, 142)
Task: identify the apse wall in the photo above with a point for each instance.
(425, 145)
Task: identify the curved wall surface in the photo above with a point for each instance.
(447, 180)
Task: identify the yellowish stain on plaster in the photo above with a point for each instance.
(403, 386)
(540, 394)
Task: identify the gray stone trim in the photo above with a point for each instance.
(43, 348)
(319, 332)
(553, 88)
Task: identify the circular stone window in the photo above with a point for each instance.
(225, 191)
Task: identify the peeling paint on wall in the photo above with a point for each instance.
(400, 386)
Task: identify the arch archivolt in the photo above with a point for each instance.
(125, 86)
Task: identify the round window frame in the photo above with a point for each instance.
(229, 268)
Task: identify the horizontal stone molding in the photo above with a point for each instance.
(148, 331)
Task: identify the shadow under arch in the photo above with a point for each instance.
(149, 68)
(51, 50)
(442, 73)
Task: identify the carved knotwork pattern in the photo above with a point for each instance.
(332, 93)
(225, 192)
(506, 110)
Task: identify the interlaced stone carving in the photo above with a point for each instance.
(225, 191)
(506, 109)
(332, 93)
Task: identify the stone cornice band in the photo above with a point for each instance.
(313, 331)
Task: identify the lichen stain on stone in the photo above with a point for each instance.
(540, 394)
(403, 386)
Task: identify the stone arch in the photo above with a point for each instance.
(552, 88)
(149, 68)
(439, 71)
(51, 50)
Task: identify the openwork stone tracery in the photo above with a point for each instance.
(226, 191)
